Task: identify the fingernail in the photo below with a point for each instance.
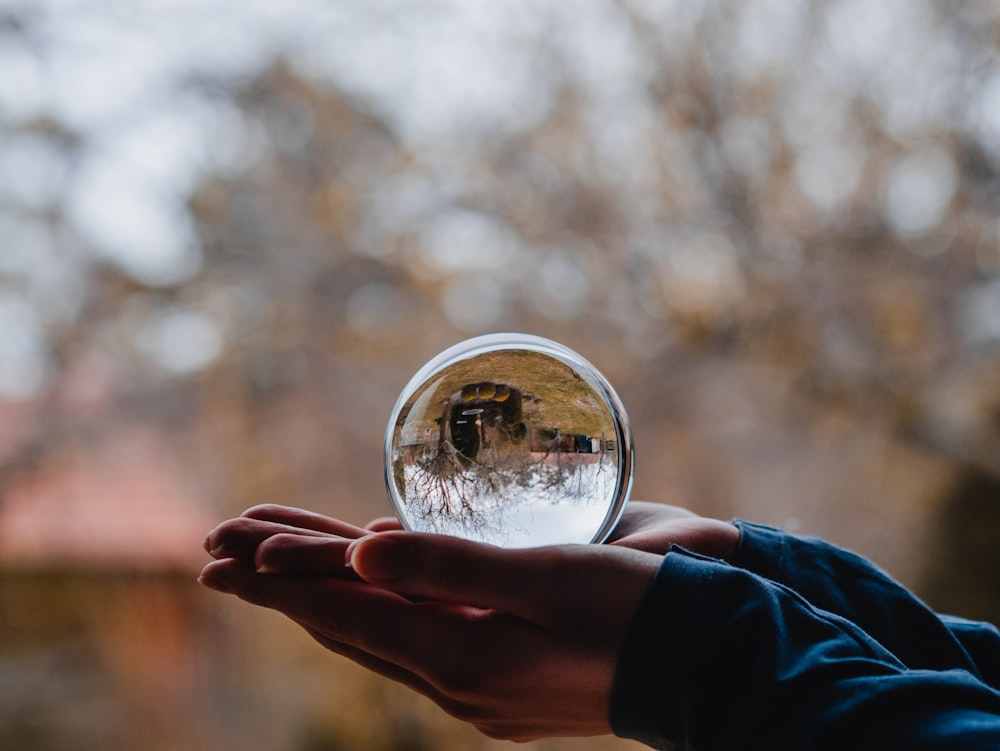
(349, 553)
(376, 558)
(215, 584)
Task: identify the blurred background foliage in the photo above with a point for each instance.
(230, 232)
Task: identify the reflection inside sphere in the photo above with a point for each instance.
(511, 440)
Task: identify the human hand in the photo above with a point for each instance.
(521, 643)
(654, 527)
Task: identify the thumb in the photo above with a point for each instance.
(432, 566)
(573, 586)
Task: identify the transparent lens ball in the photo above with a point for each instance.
(509, 439)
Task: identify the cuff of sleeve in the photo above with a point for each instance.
(762, 550)
(648, 696)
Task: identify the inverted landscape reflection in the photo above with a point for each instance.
(512, 447)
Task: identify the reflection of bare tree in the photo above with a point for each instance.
(568, 476)
(447, 494)
(444, 495)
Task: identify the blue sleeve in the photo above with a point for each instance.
(718, 657)
(852, 587)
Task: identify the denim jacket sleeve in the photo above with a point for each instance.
(723, 656)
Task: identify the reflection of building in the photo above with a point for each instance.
(483, 414)
(547, 440)
(493, 415)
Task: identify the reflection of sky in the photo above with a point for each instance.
(547, 523)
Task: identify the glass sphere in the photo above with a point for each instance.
(509, 439)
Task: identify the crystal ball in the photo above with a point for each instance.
(512, 440)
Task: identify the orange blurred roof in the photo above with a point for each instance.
(123, 502)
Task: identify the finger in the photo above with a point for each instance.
(239, 538)
(384, 524)
(642, 514)
(352, 617)
(560, 587)
(704, 536)
(218, 574)
(650, 541)
(303, 519)
(303, 554)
